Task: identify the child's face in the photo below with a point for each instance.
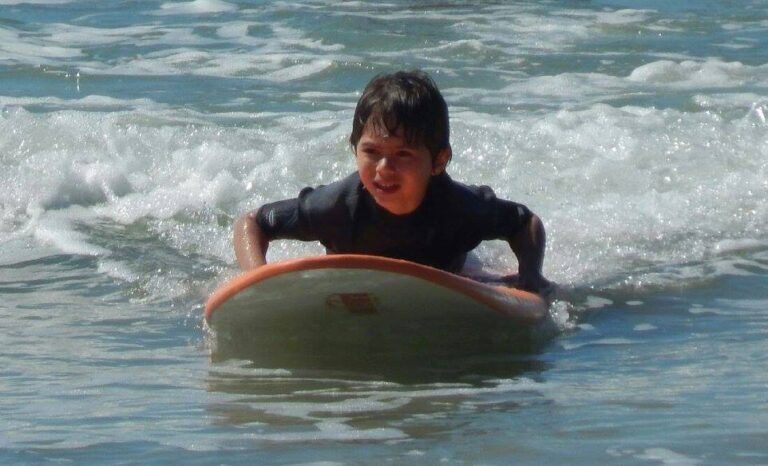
(395, 173)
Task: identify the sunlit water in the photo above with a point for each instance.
(132, 134)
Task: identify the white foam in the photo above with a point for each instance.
(338, 433)
(31, 50)
(734, 100)
(644, 327)
(320, 463)
(506, 30)
(274, 66)
(118, 270)
(667, 457)
(36, 2)
(90, 36)
(624, 17)
(596, 302)
(695, 74)
(196, 7)
(299, 71)
(57, 230)
(569, 346)
(581, 90)
(234, 30)
(730, 246)
(88, 103)
(623, 190)
(130, 166)
(287, 38)
(159, 172)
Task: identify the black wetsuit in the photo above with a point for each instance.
(451, 221)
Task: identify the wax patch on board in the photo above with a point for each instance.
(356, 303)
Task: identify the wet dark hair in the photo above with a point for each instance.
(407, 99)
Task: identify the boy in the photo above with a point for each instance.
(400, 203)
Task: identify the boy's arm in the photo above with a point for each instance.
(250, 242)
(528, 245)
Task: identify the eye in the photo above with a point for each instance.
(369, 152)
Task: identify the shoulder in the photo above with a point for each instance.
(329, 208)
(331, 196)
(479, 206)
(460, 194)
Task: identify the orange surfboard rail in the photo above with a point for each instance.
(519, 304)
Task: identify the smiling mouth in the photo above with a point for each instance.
(386, 188)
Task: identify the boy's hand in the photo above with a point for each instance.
(528, 246)
(536, 284)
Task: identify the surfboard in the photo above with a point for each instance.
(326, 307)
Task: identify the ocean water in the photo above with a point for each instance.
(133, 133)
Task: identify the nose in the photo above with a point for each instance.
(385, 164)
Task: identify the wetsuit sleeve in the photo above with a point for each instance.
(508, 219)
(285, 220)
(478, 215)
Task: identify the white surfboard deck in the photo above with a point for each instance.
(336, 305)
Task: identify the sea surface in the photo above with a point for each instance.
(134, 133)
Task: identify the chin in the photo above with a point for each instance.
(396, 210)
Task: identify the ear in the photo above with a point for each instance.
(441, 160)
